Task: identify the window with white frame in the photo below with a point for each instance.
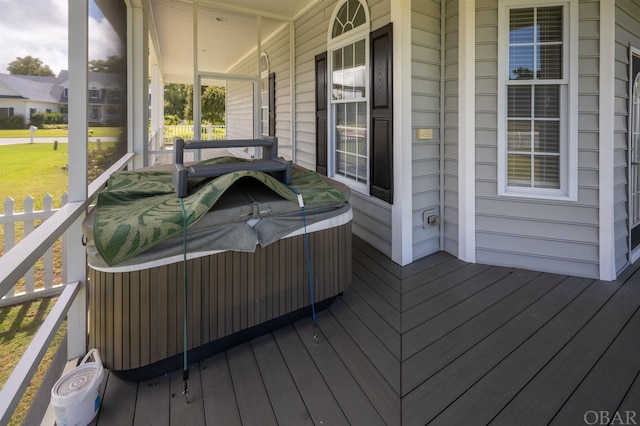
(536, 149)
(348, 47)
(264, 94)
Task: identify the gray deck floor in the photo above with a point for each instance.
(437, 342)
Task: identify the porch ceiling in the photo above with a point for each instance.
(227, 32)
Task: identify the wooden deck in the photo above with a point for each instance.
(437, 342)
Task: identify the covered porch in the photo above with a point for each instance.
(437, 342)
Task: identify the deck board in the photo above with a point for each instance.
(122, 402)
(383, 359)
(456, 292)
(287, 403)
(610, 378)
(217, 388)
(463, 306)
(148, 411)
(190, 409)
(496, 388)
(434, 357)
(351, 398)
(386, 334)
(379, 391)
(448, 384)
(253, 400)
(316, 394)
(437, 342)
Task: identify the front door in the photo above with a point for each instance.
(634, 169)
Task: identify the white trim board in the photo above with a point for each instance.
(466, 132)
(606, 137)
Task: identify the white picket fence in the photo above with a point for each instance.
(33, 288)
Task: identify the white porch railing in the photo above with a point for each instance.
(16, 262)
(33, 288)
(185, 131)
(160, 143)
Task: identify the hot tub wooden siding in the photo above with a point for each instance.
(136, 318)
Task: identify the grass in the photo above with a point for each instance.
(29, 170)
(34, 169)
(18, 325)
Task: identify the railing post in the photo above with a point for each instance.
(47, 206)
(77, 314)
(9, 233)
(30, 277)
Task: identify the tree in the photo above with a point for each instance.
(113, 64)
(175, 99)
(523, 73)
(213, 104)
(29, 66)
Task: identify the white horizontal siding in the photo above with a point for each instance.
(425, 82)
(537, 234)
(371, 219)
(240, 94)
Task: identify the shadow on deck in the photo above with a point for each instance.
(437, 342)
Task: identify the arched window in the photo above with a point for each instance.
(348, 46)
(264, 94)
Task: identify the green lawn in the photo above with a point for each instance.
(33, 169)
(29, 169)
(18, 325)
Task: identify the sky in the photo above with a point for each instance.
(39, 28)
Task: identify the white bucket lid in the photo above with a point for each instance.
(72, 387)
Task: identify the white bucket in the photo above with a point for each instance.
(76, 395)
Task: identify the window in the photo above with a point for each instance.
(94, 93)
(6, 112)
(536, 149)
(66, 92)
(264, 95)
(349, 95)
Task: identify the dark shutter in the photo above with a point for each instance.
(381, 129)
(272, 104)
(321, 113)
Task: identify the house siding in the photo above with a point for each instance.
(627, 18)
(450, 136)
(239, 110)
(371, 217)
(240, 95)
(545, 235)
(426, 86)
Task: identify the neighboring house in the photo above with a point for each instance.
(501, 131)
(26, 95)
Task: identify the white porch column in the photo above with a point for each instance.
(157, 100)
(138, 85)
(401, 226)
(75, 265)
(606, 140)
(466, 131)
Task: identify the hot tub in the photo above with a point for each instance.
(234, 293)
